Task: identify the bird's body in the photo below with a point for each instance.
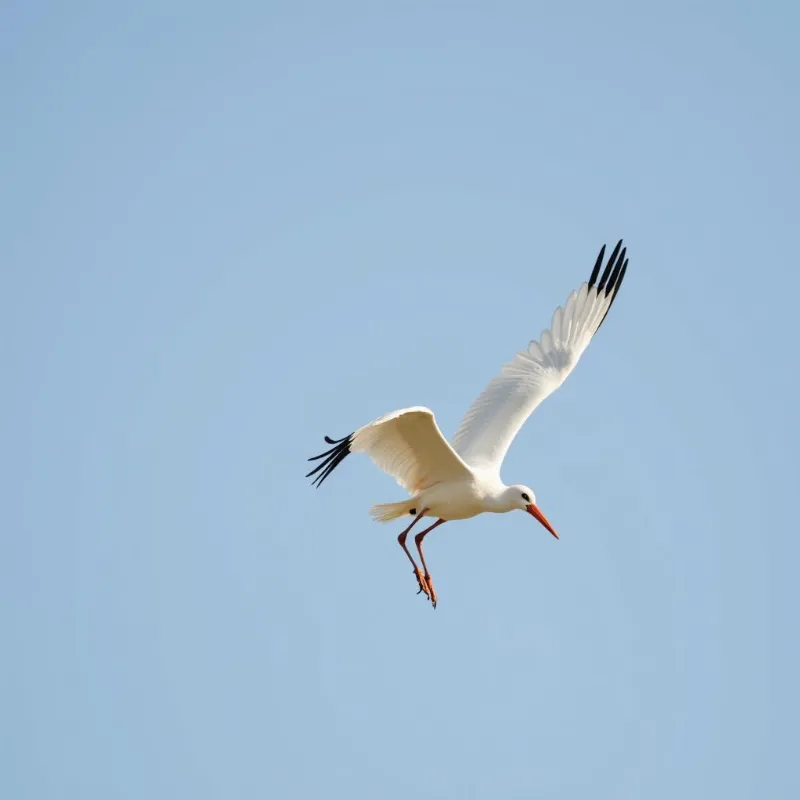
(461, 480)
(479, 493)
(482, 493)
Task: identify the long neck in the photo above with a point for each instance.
(498, 501)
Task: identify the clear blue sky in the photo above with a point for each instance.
(230, 229)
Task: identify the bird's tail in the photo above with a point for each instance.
(386, 512)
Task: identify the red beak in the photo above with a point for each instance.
(534, 512)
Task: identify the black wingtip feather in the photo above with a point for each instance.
(613, 274)
(597, 265)
(333, 458)
(322, 455)
(616, 291)
(609, 266)
(612, 281)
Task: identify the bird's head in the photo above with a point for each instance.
(523, 498)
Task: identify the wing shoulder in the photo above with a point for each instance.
(406, 444)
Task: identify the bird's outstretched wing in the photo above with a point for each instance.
(494, 419)
(406, 444)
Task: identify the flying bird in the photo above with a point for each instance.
(451, 481)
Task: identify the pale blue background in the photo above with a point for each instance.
(227, 231)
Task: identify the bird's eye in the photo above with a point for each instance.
(526, 498)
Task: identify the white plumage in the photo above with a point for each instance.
(495, 418)
(409, 446)
(463, 480)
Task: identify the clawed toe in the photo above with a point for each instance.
(431, 591)
(423, 585)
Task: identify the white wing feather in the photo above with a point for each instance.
(409, 446)
(495, 418)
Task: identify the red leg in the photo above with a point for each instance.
(418, 541)
(402, 541)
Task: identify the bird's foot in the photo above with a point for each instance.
(423, 585)
(431, 590)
